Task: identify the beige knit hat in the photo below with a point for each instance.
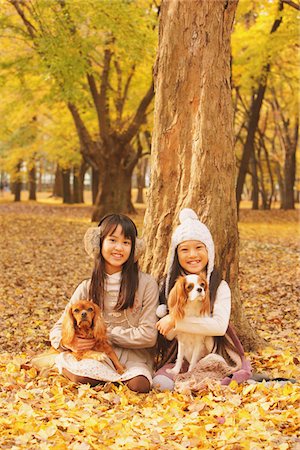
(191, 229)
(92, 244)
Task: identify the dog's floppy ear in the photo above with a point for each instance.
(99, 325)
(177, 299)
(205, 304)
(68, 329)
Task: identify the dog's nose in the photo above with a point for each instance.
(83, 314)
(200, 290)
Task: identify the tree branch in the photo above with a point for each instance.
(96, 97)
(292, 4)
(139, 116)
(30, 28)
(125, 93)
(103, 114)
(87, 146)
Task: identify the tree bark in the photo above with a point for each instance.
(268, 199)
(280, 184)
(94, 184)
(255, 190)
(58, 183)
(193, 161)
(290, 165)
(77, 188)
(67, 195)
(114, 191)
(32, 182)
(78, 182)
(140, 178)
(17, 184)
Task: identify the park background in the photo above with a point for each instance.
(76, 135)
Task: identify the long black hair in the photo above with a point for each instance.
(166, 350)
(129, 280)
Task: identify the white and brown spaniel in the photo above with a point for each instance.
(189, 298)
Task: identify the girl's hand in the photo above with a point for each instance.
(82, 345)
(165, 324)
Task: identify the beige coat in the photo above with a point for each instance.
(132, 333)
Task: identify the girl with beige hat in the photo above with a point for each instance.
(128, 299)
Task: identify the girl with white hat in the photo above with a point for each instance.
(192, 252)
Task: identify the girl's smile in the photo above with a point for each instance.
(192, 256)
(116, 250)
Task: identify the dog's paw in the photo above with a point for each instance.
(121, 369)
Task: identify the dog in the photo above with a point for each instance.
(189, 297)
(84, 320)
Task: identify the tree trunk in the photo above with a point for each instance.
(77, 189)
(140, 178)
(193, 161)
(248, 149)
(78, 182)
(290, 166)
(58, 183)
(289, 180)
(255, 190)
(280, 184)
(94, 184)
(67, 195)
(263, 190)
(32, 182)
(269, 167)
(114, 191)
(17, 184)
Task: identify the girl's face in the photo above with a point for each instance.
(116, 250)
(192, 256)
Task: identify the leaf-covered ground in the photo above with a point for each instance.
(42, 260)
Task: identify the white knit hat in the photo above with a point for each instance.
(191, 229)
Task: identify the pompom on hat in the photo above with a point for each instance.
(191, 229)
(92, 244)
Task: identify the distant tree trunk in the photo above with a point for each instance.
(290, 166)
(297, 196)
(267, 201)
(254, 114)
(58, 183)
(140, 177)
(32, 182)
(95, 184)
(78, 182)
(67, 195)
(77, 191)
(114, 191)
(17, 184)
(255, 190)
(193, 161)
(263, 191)
(280, 183)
